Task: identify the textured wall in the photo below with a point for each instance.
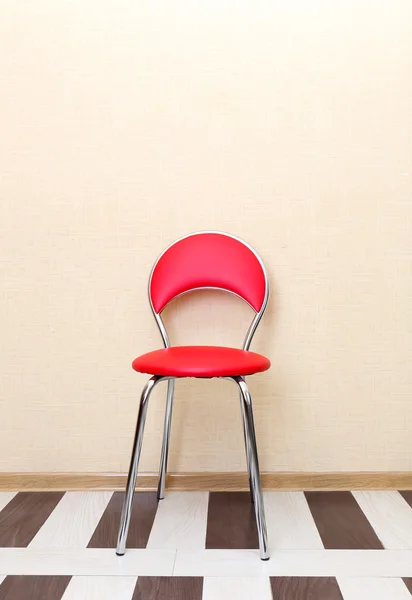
(127, 124)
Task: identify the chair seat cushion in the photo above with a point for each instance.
(201, 361)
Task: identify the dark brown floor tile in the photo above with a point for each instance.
(341, 522)
(305, 588)
(168, 588)
(231, 521)
(23, 587)
(408, 582)
(24, 515)
(143, 513)
(407, 495)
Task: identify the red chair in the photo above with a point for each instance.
(204, 260)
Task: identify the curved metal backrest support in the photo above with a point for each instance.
(209, 260)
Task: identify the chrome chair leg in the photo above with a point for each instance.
(134, 463)
(242, 406)
(253, 467)
(166, 439)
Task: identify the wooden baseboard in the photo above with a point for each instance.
(207, 481)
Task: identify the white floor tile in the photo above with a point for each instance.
(239, 588)
(290, 522)
(100, 588)
(390, 516)
(316, 563)
(378, 588)
(73, 521)
(89, 561)
(180, 521)
(5, 498)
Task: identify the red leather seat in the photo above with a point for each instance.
(201, 361)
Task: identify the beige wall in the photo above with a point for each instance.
(127, 124)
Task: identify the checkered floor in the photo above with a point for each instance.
(203, 546)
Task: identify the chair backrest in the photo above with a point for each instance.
(204, 260)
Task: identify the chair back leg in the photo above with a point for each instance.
(253, 466)
(166, 439)
(242, 407)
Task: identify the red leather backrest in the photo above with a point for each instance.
(208, 260)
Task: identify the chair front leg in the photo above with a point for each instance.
(166, 439)
(134, 463)
(253, 466)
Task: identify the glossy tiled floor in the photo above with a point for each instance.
(201, 546)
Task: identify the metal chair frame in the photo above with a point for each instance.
(247, 418)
